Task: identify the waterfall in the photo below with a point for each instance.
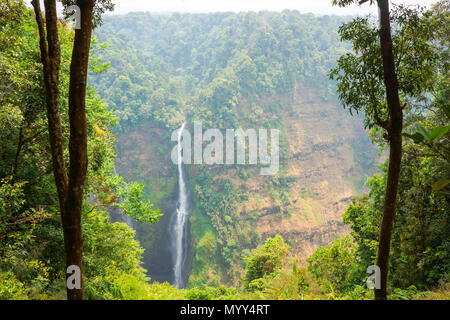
(179, 232)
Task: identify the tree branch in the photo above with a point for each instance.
(40, 23)
(51, 65)
(382, 123)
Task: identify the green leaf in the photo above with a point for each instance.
(441, 184)
(416, 137)
(423, 132)
(438, 132)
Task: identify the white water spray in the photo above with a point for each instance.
(179, 225)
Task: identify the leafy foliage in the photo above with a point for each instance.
(31, 242)
(169, 67)
(276, 52)
(265, 261)
(332, 266)
(360, 74)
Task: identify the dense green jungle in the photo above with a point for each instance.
(155, 229)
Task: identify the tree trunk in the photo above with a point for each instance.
(73, 239)
(69, 187)
(51, 61)
(395, 144)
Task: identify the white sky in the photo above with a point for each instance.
(304, 6)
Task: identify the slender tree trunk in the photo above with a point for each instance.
(51, 61)
(70, 187)
(78, 142)
(395, 144)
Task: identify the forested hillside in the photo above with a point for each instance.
(310, 231)
(166, 65)
(248, 70)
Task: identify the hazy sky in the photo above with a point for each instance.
(304, 6)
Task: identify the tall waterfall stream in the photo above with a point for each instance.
(179, 221)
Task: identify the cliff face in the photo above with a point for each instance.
(142, 157)
(324, 159)
(324, 167)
